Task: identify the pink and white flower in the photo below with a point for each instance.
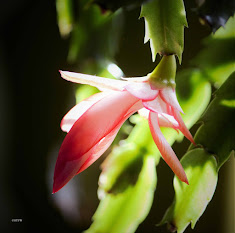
(93, 123)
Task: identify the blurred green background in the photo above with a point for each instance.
(33, 100)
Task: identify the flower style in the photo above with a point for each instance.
(93, 123)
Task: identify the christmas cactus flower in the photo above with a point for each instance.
(93, 123)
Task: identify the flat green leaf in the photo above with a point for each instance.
(216, 60)
(121, 169)
(164, 26)
(124, 211)
(227, 31)
(216, 134)
(191, 200)
(193, 93)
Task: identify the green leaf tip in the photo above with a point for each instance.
(164, 26)
(191, 200)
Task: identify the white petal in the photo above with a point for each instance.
(166, 120)
(99, 82)
(144, 113)
(141, 90)
(115, 70)
(157, 105)
(136, 79)
(169, 96)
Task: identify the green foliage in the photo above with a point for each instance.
(216, 134)
(216, 60)
(95, 33)
(164, 26)
(126, 201)
(191, 200)
(64, 16)
(193, 94)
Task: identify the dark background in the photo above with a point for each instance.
(33, 100)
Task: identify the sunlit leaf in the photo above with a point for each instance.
(216, 134)
(227, 31)
(217, 60)
(191, 200)
(123, 212)
(164, 26)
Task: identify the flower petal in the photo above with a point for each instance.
(141, 90)
(105, 142)
(72, 168)
(157, 105)
(169, 96)
(78, 110)
(165, 149)
(182, 126)
(136, 79)
(99, 82)
(144, 113)
(99, 148)
(88, 131)
(166, 120)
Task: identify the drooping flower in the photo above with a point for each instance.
(93, 123)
